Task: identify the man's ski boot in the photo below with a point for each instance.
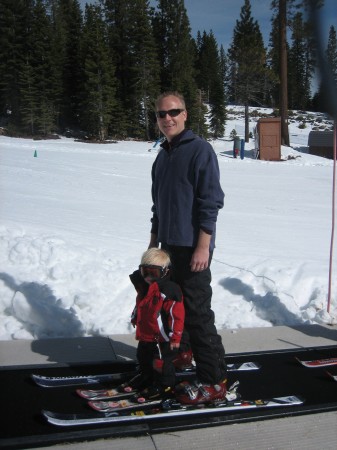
(193, 393)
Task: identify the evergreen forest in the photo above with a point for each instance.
(95, 73)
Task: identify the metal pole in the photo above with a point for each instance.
(333, 214)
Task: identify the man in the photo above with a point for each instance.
(187, 196)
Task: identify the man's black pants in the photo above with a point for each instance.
(206, 344)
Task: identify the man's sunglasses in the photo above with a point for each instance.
(152, 271)
(170, 112)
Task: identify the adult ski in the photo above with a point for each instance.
(83, 380)
(318, 362)
(78, 380)
(169, 408)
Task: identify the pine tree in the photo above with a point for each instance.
(224, 66)
(67, 63)
(300, 68)
(177, 54)
(210, 79)
(57, 50)
(172, 32)
(137, 68)
(273, 63)
(99, 83)
(36, 91)
(14, 46)
(29, 109)
(144, 70)
(331, 52)
(321, 98)
(247, 57)
(116, 19)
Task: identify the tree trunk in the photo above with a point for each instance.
(283, 73)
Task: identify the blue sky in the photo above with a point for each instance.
(220, 16)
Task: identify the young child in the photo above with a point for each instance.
(159, 320)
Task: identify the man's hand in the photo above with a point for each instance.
(200, 257)
(199, 260)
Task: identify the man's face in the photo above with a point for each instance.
(171, 126)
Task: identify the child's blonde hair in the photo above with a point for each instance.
(157, 257)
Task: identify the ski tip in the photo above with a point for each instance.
(41, 380)
(33, 377)
(49, 416)
(82, 393)
(299, 361)
(46, 413)
(57, 419)
(304, 363)
(102, 406)
(331, 375)
(243, 366)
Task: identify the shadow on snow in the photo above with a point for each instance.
(267, 307)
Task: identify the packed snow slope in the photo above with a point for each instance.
(75, 219)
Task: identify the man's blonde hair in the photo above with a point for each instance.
(157, 257)
(170, 94)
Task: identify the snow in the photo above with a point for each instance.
(75, 219)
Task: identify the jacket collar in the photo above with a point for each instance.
(177, 139)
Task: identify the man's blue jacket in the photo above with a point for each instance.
(186, 191)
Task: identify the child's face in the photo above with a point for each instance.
(149, 280)
(152, 273)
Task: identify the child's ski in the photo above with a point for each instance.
(169, 408)
(44, 381)
(141, 399)
(122, 405)
(104, 394)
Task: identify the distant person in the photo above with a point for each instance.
(159, 320)
(187, 196)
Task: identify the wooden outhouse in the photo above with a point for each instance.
(268, 138)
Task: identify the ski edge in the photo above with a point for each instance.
(315, 363)
(49, 382)
(77, 380)
(60, 419)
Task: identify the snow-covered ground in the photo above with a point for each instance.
(75, 219)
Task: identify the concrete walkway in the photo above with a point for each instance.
(310, 431)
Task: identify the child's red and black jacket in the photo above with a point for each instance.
(159, 312)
